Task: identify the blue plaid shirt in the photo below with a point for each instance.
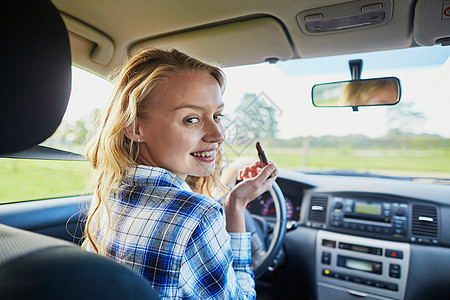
(176, 238)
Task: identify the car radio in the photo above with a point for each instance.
(347, 264)
(369, 215)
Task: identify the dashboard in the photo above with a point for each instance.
(391, 209)
(377, 238)
(293, 194)
(263, 206)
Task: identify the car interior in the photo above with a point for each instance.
(325, 235)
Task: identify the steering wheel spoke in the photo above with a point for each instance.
(263, 255)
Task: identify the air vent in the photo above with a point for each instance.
(318, 209)
(424, 220)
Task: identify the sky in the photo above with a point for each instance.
(288, 85)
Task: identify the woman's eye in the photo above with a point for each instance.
(218, 117)
(193, 120)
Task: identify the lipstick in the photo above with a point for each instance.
(263, 157)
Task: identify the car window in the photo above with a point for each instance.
(31, 179)
(272, 104)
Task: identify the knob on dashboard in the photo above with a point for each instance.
(338, 205)
(399, 211)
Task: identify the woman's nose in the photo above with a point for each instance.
(215, 132)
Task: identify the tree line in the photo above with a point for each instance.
(393, 139)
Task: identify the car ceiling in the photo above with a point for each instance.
(103, 33)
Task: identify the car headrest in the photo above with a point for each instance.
(35, 78)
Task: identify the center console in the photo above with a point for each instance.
(377, 217)
(362, 267)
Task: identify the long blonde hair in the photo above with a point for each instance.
(111, 152)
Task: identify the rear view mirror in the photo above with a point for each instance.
(354, 93)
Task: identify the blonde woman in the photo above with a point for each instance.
(155, 160)
(370, 92)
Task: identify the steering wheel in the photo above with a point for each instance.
(263, 255)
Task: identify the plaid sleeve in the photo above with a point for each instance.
(216, 266)
(242, 251)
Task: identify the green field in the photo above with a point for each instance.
(434, 162)
(22, 179)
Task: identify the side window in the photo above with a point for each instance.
(32, 179)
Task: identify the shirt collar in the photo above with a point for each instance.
(147, 175)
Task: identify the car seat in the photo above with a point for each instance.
(34, 90)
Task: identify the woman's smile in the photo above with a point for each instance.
(205, 155)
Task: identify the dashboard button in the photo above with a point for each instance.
(394, 271)
(336, 223)
(399, 231)
(392, 286)
(394, 253)
(399, 211)
(369, 282)
(337, 216)
(357, 280)
(398, 226)
(326, 258)
(348, 208)
(377, 267)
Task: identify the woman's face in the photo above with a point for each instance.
(184, 131)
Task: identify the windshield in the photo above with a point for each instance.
(272, 104)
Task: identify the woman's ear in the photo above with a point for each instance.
(132, 132)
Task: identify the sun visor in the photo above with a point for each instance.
(432, 22)
(246, 42)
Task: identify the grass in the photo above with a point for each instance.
(434, 162)
(22, 179)
(38, 179)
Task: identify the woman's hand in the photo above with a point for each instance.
(254, 183)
